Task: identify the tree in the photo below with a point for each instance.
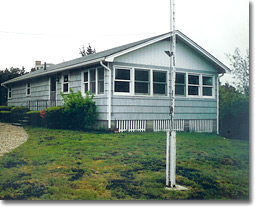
(32, 70)
(234, 113)
(240, 70)
(6, 75)
(89, 51)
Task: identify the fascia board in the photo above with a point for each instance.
(110, 58)
(204, 52)
(53, 71)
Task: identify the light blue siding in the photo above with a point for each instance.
(154, 55)
(39, 91)
(156, 108)
(151, 108)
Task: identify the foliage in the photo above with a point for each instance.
(234, 113)
(240, 70)
(55, 117)
(5, 75)
(18, 112)
(5, 116)
(5, 108)
(89, 51)
(73, 165)
(35, 119)
(80, 113)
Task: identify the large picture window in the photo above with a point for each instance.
(180, 84)
(122, 80)
(142, 82)
(159, 83)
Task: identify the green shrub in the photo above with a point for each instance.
(35, 119)
(6, 108)
(55, 117)
(5, 116)
(18, 113)
(80, 113)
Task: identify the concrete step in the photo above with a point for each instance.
(17, 124)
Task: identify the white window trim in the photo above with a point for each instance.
(28, 88)
(132, 81)
(200, 89)
(97, 85)
(180, 84)
(62, 82)
(167, 83)
(208, 86)
(96, 81)
(9, 90)
(199, 85)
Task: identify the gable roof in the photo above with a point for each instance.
(110, 54)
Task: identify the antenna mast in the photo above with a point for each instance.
(171, 134)
(172, 60)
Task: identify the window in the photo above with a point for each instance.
(93, 81)
(159, 83)
(207, 86)
(86, 81)
(142, 82)
(100, 81)
(193, 85)
(122, 80)
(28, 88)
(180, 84)
(92, 76)
(9, 93)
(65, 83)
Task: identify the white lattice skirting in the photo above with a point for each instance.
(201, 125)
(131, 125)
(163, 125)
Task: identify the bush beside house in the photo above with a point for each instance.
(35, 119)
(78, 113)
(18, 113)
(5, 116)
(55, 117)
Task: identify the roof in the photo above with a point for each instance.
(110, 54)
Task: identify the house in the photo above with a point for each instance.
(131, 85)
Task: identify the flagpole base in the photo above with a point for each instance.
(177, 188)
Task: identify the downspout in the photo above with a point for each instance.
(218, 102)
(110, 95)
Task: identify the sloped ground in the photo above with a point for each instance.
(11, 137)
(74, 165)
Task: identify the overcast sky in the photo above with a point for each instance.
(53, 31)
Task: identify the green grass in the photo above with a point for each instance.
(72, 165)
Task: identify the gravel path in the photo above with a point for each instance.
(11, 137)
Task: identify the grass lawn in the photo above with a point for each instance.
(71, 165)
